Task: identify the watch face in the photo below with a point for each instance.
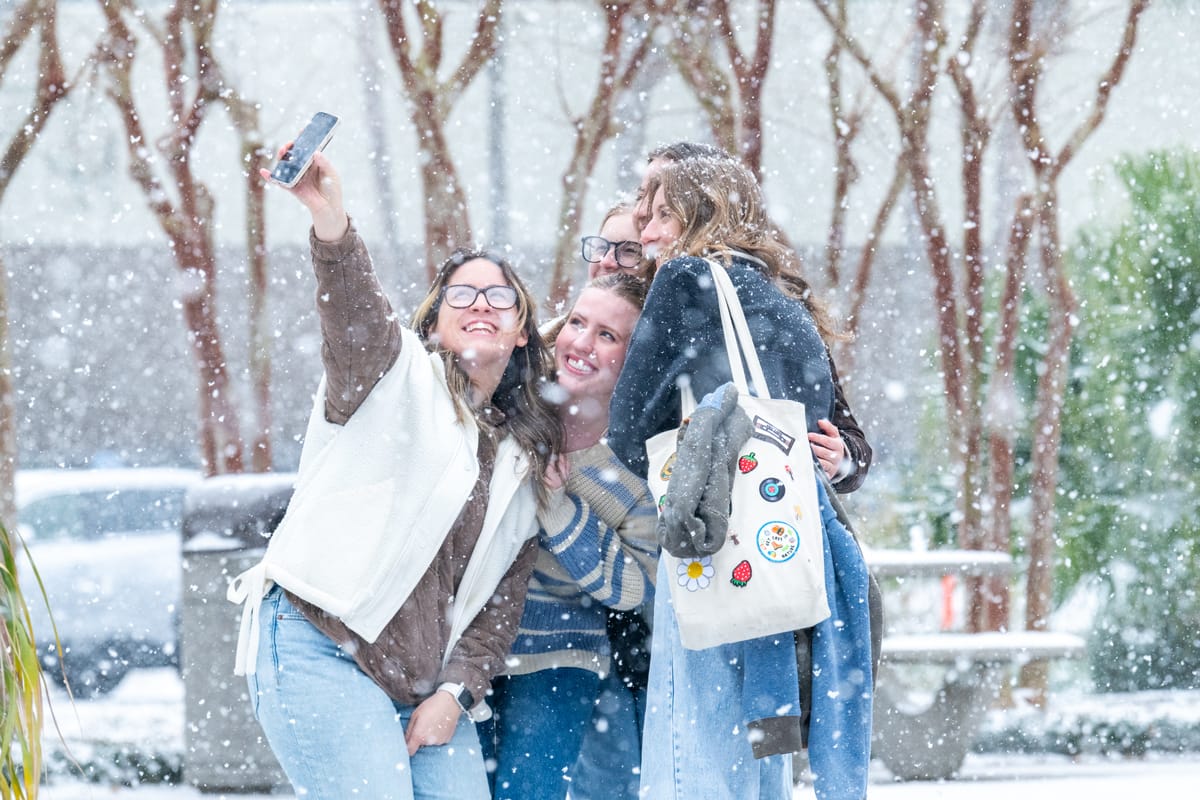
(464, 699)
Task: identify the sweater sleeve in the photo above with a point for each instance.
(857, 447)
(601, 530)
(478, 656)
(360, 334)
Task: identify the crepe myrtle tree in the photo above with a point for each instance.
(977, 339)
(416, 33)
(162, 167)
(33, 23)
(628, 41)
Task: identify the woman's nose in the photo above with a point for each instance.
(586, 341)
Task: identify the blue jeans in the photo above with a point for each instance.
(696, 742)
(610, 761)
(335, 733)
(537, 730)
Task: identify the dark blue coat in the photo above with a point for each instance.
(679, 336)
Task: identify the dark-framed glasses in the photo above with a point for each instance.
(462, 295)
(628, 254)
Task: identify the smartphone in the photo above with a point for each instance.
(294, 163)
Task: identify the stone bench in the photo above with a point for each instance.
(930, 743)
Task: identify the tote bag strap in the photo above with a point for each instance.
(738, 341)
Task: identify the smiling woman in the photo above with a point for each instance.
(597, 552)
(422, 471)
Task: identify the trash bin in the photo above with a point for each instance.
(226, 523)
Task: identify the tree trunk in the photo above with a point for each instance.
(52, 86)
(188, 222)
(447, 224)
(622, 59)
(260, 328)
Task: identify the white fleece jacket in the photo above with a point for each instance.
(374, 501)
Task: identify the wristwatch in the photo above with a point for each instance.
(460, 695)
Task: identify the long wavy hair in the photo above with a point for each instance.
(721, 209)
(528, 416)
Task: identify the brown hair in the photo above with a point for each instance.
(721, 209)
(682, 151)
(628, 287)
(529, 417)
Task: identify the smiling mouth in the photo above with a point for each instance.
(579, 365)
(479, 327)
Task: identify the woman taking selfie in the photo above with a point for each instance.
(699, 741)
(597, 550)
(390, 594)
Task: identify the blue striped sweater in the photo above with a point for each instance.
(597, 548)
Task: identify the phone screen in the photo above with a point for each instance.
(314, 137)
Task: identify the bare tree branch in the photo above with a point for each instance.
(447, 223)
(1112, 76)
(618, 66)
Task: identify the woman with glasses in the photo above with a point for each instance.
(598, 550)
(390, 593)
(617, 248)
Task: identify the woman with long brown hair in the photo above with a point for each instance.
(390, 594)
(715, 726)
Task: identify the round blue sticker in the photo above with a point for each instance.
(772, 490)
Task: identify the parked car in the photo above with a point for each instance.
(106, 543)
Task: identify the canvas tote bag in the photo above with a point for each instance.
(769, 577)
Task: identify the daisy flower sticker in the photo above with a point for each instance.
(695, 574)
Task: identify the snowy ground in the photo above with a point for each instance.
(148, 707)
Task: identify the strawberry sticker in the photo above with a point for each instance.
(747, 463)
(741, 574)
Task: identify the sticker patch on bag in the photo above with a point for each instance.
(695, 574)
(662, 501)
(741, 574)
(668, 468)
(778, 541)
(747, 463)
(776, 436)
(771, 490)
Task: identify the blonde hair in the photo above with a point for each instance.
(528, 416)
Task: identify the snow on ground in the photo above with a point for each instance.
(148, 707)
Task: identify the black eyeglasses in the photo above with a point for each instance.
(628, 254)
(461, 295)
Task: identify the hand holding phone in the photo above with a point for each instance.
(296, 160)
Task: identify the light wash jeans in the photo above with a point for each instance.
(336, 734)
(696, 742)
(537, 730)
